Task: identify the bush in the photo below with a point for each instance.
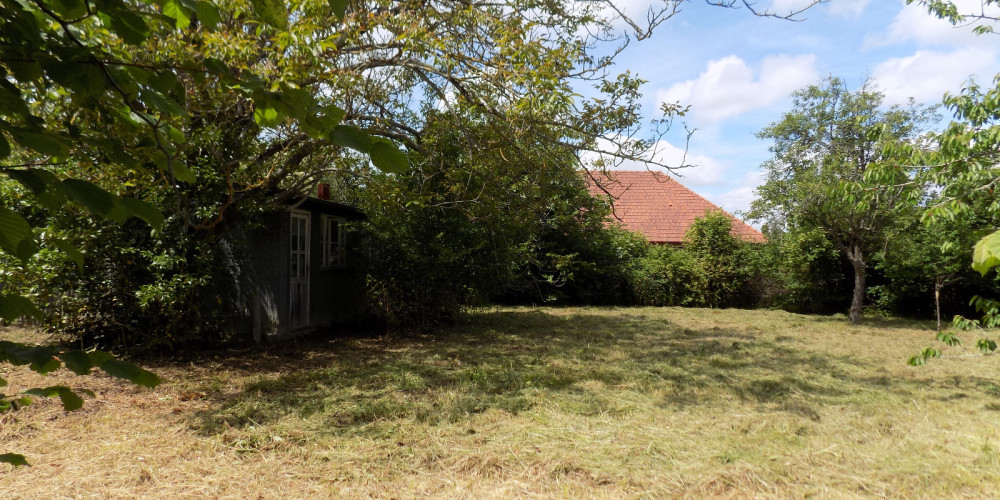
(137, 290)
(811, 275)
(667, 276)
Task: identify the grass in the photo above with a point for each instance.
(637, 402)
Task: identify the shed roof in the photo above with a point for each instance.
(657, 206)
(330, 208)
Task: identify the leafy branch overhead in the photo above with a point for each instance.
(44, 360)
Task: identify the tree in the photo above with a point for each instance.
(964, 167)
(837, 167)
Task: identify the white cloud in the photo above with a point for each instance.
(927, 74)
(700, 170)
(841, 8)
(638, 11)
(848, 8)
(729, 87)
(739, 198)
(914, 23)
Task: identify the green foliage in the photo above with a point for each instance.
(986, 253)
(713, 268)
(836, 167)
(468, 224)
(720, 258)
(668, 276)
(986, 346)
(809, 273)
(964, 165)
(44, 360)
(926, 354)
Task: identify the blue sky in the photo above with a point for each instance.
(737, 72)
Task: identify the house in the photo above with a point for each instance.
(657, 206)
(303, 274)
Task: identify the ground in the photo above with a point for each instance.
(575, 402)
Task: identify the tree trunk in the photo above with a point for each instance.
(937, 302)
(858, 261)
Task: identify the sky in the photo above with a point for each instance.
(738, 71)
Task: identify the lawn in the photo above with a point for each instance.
(575, 402)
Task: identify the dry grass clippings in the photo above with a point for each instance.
(592, 402)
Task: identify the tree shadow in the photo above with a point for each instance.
(511, 360)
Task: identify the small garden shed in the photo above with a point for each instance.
(305, 277)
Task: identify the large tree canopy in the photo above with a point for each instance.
(835, 168)
(103, 101)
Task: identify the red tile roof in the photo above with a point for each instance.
(659, 207)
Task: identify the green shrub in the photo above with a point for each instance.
(668, 276)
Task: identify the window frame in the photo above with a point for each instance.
(338, 261)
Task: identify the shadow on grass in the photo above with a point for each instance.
(588, 364)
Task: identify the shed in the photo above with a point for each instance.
(304, 276)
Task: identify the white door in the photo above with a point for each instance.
(298, 275)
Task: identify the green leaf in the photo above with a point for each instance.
(388, 158)
(13, 307)
(29, 179)
(207, 14)
(4, 147)
(339, 7)
(986, 254)
(174, 10)
(162, 103)
(14, 459)
(11, 100)
(13, 230)
(39, 358)
(165, 82)
(89, 195)
(352, 137)
(77, 361)
(273, 12)
(130, 372)
(266, 114)
(68, 9)
(323, 121)
(46, 144)
(216, 66)
(118, 214)
(144, 211)
(26, 249)
(82, 77)
(47, 392)
(117, 153)
(70, 400)
(98, 358)
(183, 174)
(128, 25)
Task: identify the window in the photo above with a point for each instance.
(333, 242)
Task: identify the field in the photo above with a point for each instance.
(576, 402)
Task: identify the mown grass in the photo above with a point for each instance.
(633, 402)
